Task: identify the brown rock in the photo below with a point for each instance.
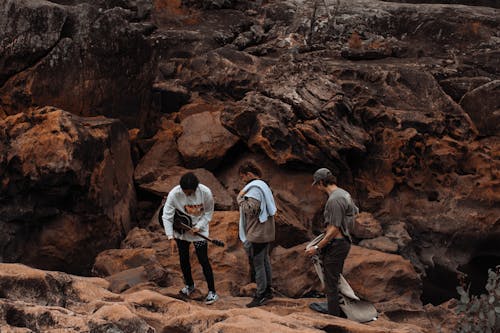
(457, 87)
(378, 277)
(133, 277)
(99, 64)
(173, 95)
(52, 301)
(366, 226)
(66, 188)
(31, 30)
(204, 141)
(294, 274)
(271, 125)
(198, 105)
(160, 157)
(397, 233)
(381, 243)
(114, 261)
(483, 106)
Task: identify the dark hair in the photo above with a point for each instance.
(189, 181)
(250, 167)
(329, 180)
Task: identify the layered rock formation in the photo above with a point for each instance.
(400, 99)
(66, 191)
(34, 301)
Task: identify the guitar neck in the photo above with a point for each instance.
(214, 241)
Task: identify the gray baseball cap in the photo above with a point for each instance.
(321, 174)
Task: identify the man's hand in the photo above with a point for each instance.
(311, 251)
(195, 230)
(172, 244)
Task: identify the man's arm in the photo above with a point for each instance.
(331, 232)
(168, 216)
(333, 216)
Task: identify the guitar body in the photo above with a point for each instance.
(181, 220)
(183, 223)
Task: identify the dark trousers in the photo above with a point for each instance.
(333, 257)
(201, 249)
(262, 266)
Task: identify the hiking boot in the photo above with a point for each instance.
(187, 290)
(268, 294)
(211, 297)
(257, 301)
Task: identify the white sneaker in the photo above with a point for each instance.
(211, 298)
(187, 290)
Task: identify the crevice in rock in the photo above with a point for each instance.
(439, 285)
(477, 272)
(487, 256)
(68, 29)
(16, 318)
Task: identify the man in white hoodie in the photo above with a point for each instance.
(196, 200)
(257, 228)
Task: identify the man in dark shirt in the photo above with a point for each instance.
(333, 248)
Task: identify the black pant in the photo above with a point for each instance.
(333, 257)
(201, 249)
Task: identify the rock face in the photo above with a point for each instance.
(66, 188)
(81, 58)
(34, 300)
(399, 100)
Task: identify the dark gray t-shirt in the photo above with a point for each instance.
(340, 211)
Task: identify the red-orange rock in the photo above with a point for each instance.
(204, 141)
(66, 187)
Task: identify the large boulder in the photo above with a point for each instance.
(374, 276)
(81, 58)
(160, 157)
(66, 188)
(29, 29)
(204, 141)
(300, 123)
(380, 277)
(483, 106)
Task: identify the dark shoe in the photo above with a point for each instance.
(257, 301)
(319, 307)
(268, 294)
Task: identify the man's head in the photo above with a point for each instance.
(189, 182)
(248, 170)
(324, 177)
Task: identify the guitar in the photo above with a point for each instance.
(182, 223)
